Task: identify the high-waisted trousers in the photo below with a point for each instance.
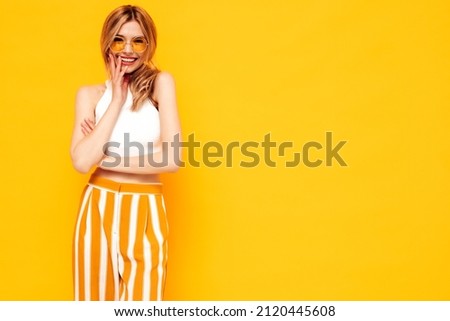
(120, 242)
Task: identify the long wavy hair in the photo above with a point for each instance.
(142, 80)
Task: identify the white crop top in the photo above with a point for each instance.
(142, 126)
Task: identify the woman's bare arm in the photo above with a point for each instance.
(170, 135)
(87, 149)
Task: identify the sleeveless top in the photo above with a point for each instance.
(135, 132)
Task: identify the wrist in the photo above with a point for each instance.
(117, 102)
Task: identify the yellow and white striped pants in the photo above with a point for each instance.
(120, 242)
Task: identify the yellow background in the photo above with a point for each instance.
(375, 73)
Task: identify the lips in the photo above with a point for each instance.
(127, 60)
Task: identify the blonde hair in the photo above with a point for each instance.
(142, 80)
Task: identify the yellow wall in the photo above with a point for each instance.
(374, 73)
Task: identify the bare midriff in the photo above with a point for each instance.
(127, 177)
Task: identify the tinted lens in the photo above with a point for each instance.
(118, 44)
(139, 44)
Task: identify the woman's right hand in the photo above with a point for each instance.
(119, 80)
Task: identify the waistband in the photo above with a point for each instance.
(152, 188)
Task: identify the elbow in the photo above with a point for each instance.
(173, 168)
(81, 168)
(80, 165)
(176, 163)
(173, 163)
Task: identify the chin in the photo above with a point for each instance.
(133, 69)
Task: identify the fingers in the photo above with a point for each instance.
(89, 123)
(87, 126)
(119, 78)
(126, 80)
(115, 64)
(124, 70)
(116, 67)
(112, 64)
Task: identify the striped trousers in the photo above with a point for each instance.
(120, 242)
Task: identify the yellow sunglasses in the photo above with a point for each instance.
(139, 44)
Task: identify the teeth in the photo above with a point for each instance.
(128, 60)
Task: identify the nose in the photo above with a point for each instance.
(128, 48)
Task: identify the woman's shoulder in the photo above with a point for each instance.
(164, 81)
(90, 94)
(164, 75)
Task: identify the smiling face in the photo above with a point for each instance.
(131, 35)
(125, 28)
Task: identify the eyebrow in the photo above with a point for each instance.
(132, 37)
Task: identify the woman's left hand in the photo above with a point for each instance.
(87, 126)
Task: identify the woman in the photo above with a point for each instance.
(125, 127)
